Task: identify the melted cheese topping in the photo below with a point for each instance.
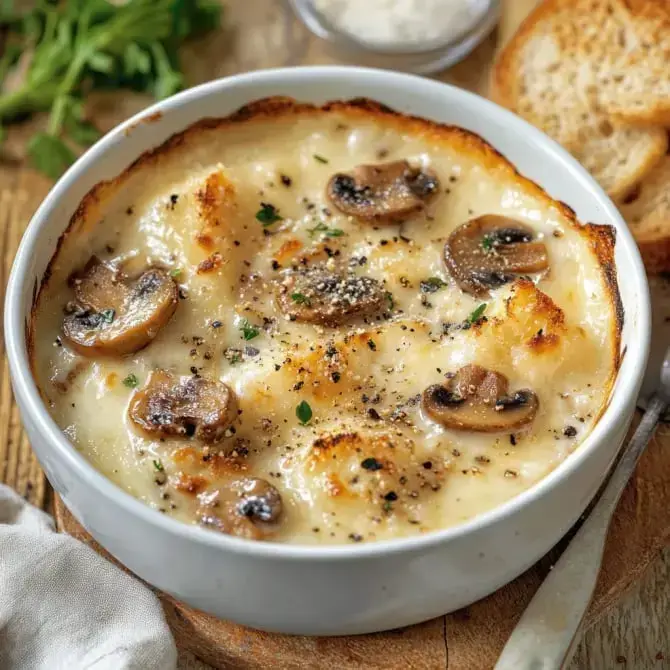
(193, 210)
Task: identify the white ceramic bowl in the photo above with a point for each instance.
(342, 589)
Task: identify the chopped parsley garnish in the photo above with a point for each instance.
(487, 243)
(372, 345)
(327, 232)
(432, 284)
(477, 314)
(389, 298)
(371, 464)
(108, 315)
(131, 381)
(175, 273)
(159, 466)
(300, 298)
(319, 158)
(304, 412)
(249, 331)
(268, 214)
(235, 358)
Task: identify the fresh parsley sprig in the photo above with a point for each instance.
(65, 49)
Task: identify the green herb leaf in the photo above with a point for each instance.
(50, 155)
(159, 466)
(131, 381)
(300, 298)
(321, 227)
(136, 60)
(248, 330)
(175, 273)
(389, 298)
(477, 314)
(268, 214)
(321, 159)
(487, 243)
(108, 315)
(101, 62)
(168, 80)
(82, 132)
(432, 284)
(194, 18)
(304, 412)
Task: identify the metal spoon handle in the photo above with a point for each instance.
(545, 635)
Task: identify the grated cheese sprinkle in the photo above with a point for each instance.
(388, 22)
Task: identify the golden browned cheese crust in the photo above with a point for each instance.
(327, 329)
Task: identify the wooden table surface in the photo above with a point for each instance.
(635, 635)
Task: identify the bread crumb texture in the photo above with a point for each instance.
(593, 75)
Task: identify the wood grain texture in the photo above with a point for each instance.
(634, 635)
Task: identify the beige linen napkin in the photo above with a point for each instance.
(64, 607)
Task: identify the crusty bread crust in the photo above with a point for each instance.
(647, 212)
(631, 74)
(601, 238)
(549, 74)
(598, 95)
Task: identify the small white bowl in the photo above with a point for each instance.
(419, 58)
(342, 589)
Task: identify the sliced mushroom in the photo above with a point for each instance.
(490, 251)
(317, 295)
(115, 315)
(385, 193)
(248, 508)
(477, 399)
(169, 406)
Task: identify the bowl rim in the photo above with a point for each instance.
(31, 402)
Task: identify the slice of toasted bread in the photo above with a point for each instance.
(551, 74)
(647, 213)
(610, 52)
(619, 156)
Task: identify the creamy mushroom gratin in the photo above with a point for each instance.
(326, 325)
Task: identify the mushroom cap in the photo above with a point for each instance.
(248, 508)
(384, 193)
(477, 399)
(490, 251)
(169, 406)
(115, 315)
(317, 295)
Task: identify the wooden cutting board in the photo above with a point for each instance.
(261, 34)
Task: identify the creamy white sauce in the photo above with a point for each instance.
(441, 477)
